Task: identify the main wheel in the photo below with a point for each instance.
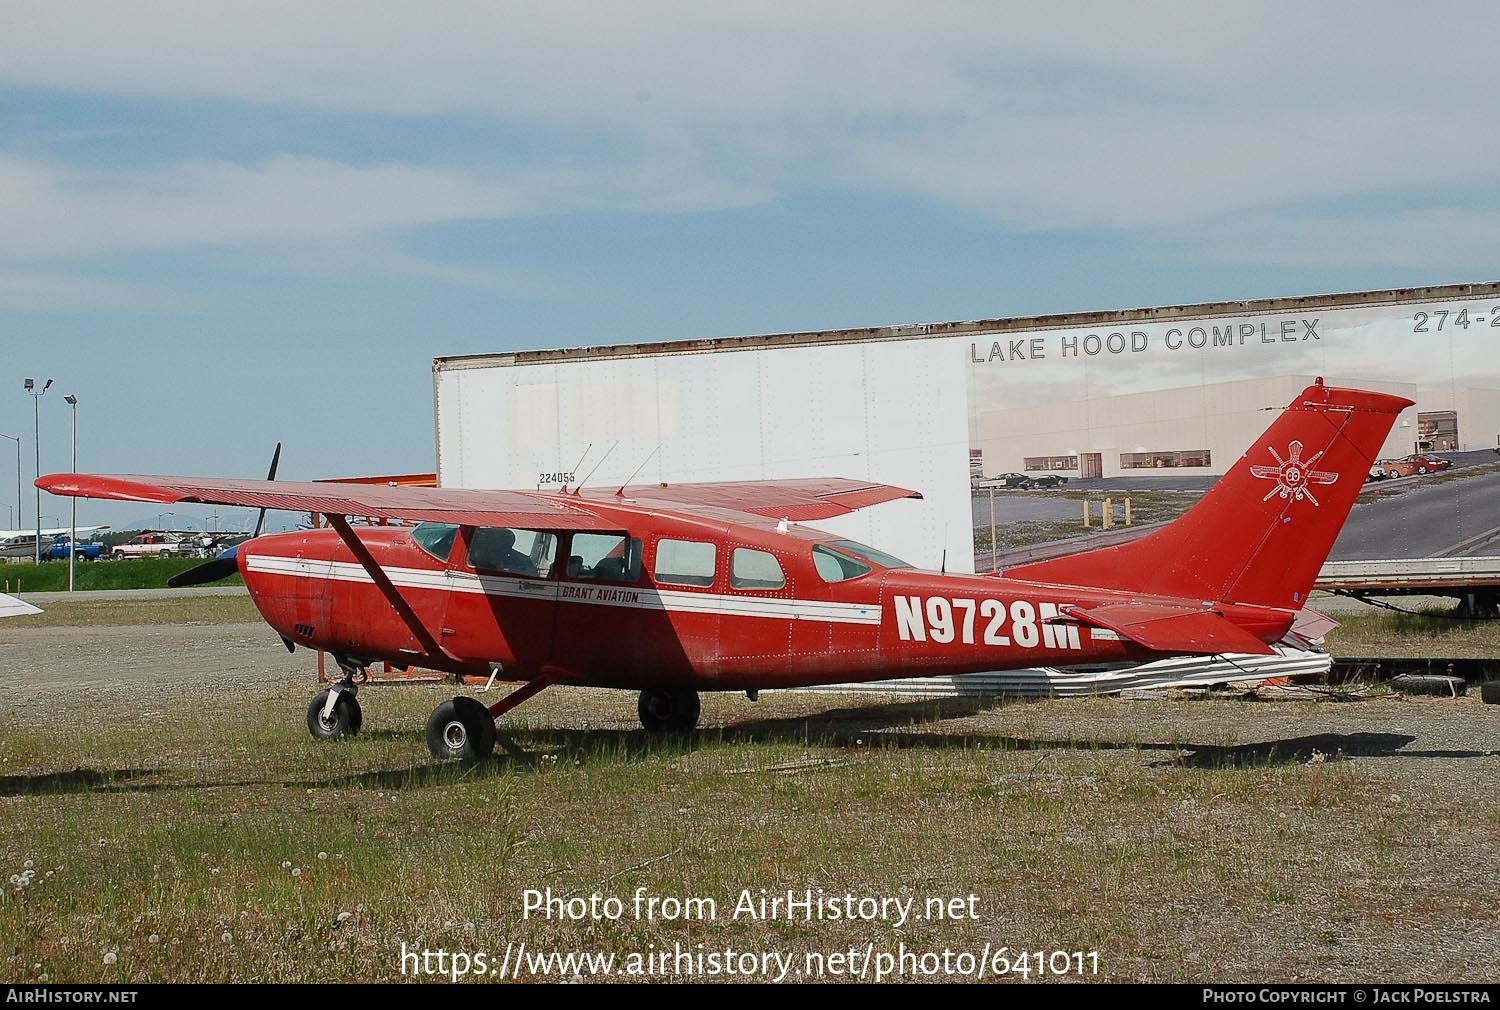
(668, 711)
(345, 719)
(461, 729)
(1490, 692)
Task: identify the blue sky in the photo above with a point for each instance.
(224, 225)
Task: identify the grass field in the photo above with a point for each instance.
(128, 573)
(182, 825)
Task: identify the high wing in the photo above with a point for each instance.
(797, 500)
(1167, 627)
(50, 531)
(452, 505)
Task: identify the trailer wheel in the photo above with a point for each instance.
(1429, 683)
(1490, 693)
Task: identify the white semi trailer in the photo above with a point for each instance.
(1167, 393)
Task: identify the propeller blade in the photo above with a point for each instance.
(226, 563)
(270, 475)
(221, 567)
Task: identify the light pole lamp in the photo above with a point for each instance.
(72, 401)
(36, 429)
(19, 518)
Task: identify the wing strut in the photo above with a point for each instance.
(387, 587)
(520, 694)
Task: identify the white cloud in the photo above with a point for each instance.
(1446, 237)
(49, 210)
(1137, 117)
(32, 289)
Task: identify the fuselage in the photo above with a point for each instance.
(672, 601)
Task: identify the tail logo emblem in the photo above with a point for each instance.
(1293, 474)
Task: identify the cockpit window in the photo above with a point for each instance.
(870, 554)
(512, 551)
(836, 567)
(435, 538)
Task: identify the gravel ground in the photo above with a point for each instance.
(140, 666)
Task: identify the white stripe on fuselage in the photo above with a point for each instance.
(587, 593)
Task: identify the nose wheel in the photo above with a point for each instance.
(668, 711)
(461, 729)
(334, 714)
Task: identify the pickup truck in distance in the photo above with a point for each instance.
(58, 550)
(150, 545)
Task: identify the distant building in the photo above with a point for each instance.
(1203, 429)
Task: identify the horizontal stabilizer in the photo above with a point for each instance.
(1168, 628)
(1308, 627)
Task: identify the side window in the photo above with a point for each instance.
(752, 569)
(512, 551)
(836, 567)
(684, 563)
(608, 557)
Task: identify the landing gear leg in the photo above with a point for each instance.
(668, 711)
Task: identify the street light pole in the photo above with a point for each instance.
(19, 517)
(73, 530)
(36, 429)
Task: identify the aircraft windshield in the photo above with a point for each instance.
(870, 554)
(435, 538)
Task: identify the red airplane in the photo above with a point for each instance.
(670, 590)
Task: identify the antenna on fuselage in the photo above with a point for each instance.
(579, 463)
(621, 492)
(597, 465)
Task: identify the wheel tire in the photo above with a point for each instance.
(118, 555)
(461, 730)
(345, 719)
(1429, 683)
(668, 711)
(165, 554)
(1490, 693)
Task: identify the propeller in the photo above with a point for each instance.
(226, 562)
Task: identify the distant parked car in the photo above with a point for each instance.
(58, 550)
(152, 545)
(1048, 480)
(1406, 466)
(1019, 480)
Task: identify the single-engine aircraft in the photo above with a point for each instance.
(22, 543)
(673, 589)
